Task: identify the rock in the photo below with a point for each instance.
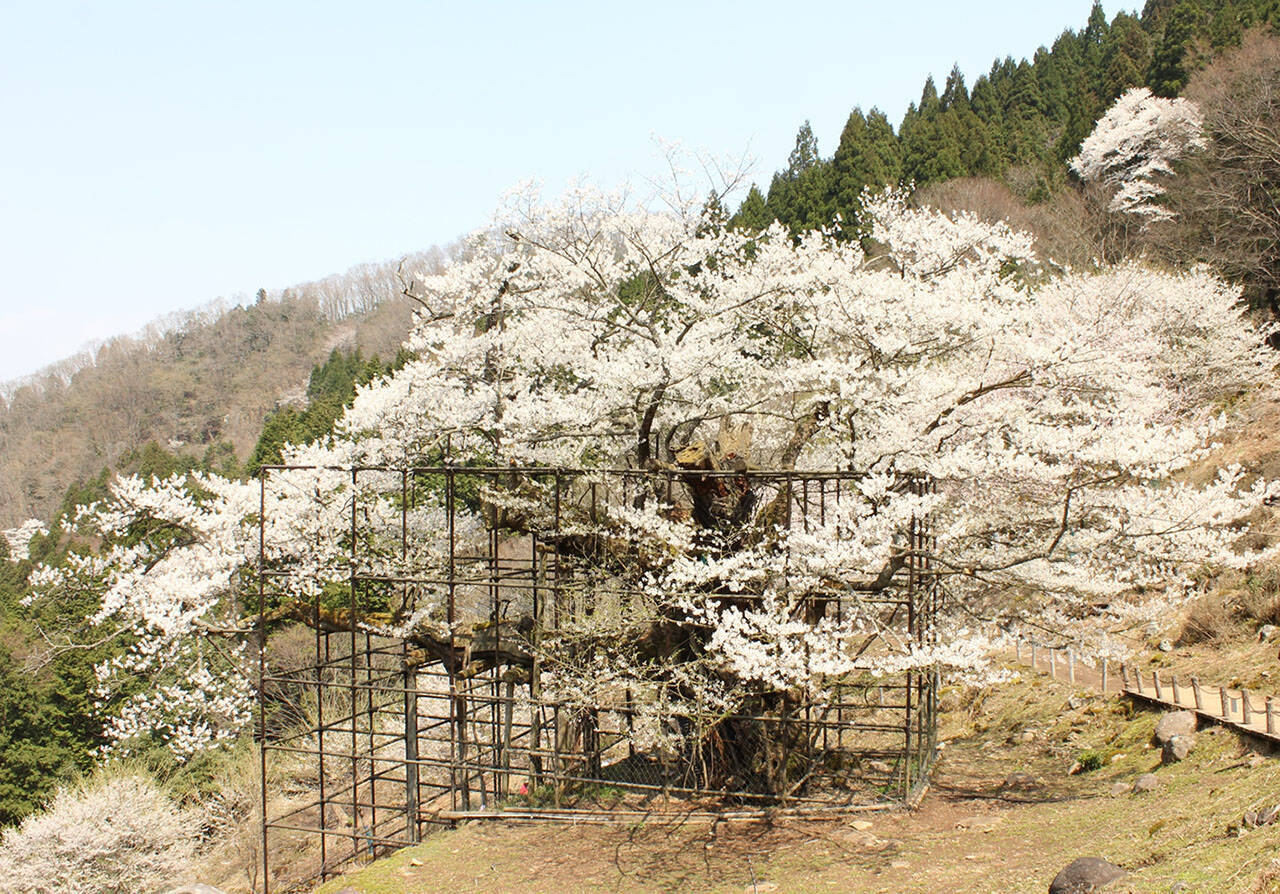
(195, 889)
(760, 887)
(1268, 632)
(1085, 874)
(982, 824)
(1165, 646)
(1151, 629)
(1261, 817)
(1027, 737)
(1177, 749)
(1120, 788)
(1179, 888)
(864, 840)
(1174, 723)
(1075, 703)
(861, 825)
(1019, 781)
(1147, 782)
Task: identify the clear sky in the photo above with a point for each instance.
(155, 156)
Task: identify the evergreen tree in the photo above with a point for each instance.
(753, 214)
(1126, 56)
(955, 96)
(932, 145)
(1169, 62)
(868, 157)
(797, 196)
(331, 388)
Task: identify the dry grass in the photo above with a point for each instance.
(1210, 618)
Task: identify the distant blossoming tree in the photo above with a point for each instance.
(1055, 411)
(19, 539)
(1134, 145)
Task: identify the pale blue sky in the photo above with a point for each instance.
(154, 156)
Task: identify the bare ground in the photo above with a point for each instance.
(972, 833)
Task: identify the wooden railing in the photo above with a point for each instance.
(1249, 712)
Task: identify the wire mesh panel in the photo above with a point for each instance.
(536, 642)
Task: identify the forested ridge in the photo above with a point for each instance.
(225, 395)
(1021, 121)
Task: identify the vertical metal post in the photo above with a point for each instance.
(354, 661)
(411, 790)
(911, 627)
(262, 670)
(320, 734)
(460, 777)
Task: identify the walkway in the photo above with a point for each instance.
(1248, 712)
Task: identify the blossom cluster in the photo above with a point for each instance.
(1135, 144)
(1057, 411)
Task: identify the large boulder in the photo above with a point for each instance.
(1175, 723)
(1177, 749)
(1084, 875)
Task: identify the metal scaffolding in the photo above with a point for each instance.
(403, 734)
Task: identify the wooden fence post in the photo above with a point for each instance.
(1155, 675)
(1071, 665)
(1246, 709)
(1226, 703)
(1033, 654)
(1053, 665)
(1195, 692)
(1271, 720)
(1017, 648)
(1104, 674)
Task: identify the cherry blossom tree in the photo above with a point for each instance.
(1058, 413)
(1133, 146)
(19, 539)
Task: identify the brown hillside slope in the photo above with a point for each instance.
(211, 378)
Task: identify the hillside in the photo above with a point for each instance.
(203, 385)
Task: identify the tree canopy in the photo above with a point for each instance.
(1054, 410)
